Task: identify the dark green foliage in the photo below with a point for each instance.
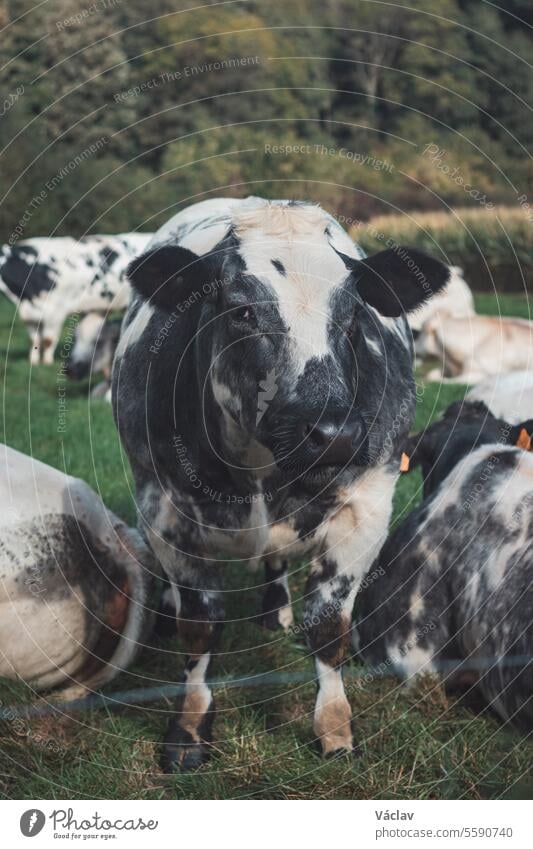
(185, 103)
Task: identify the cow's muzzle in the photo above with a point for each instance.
(330, 442)
(76, 370)
(334, 441)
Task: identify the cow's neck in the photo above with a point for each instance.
(216, 444)
(243, 458)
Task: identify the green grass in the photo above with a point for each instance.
(414, 743)
(504, 304)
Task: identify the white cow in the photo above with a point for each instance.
(74, 580)
(508, 396)
(51, 278)
(471, 349)
(456, 300)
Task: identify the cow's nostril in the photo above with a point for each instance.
(332, 441)
(320, 436)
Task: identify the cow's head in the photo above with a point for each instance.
(463, 427)
(94, 346)
(299, 343)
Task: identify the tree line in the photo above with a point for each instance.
(365, 106)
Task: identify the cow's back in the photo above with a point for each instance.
(455, 582)
(508, 396)
(73, 588)
(483, 343)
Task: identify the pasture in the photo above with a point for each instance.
(414, 744)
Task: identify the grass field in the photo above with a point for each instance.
(414, 743)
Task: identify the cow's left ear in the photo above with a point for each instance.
(168, 275)
(399, 279)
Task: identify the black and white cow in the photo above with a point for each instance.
(93, 351)
(74, 581)
(261, 387)
(508, 396)
(452, 590)
(51, 278)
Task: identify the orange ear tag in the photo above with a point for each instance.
(524, 440)
(404, 462)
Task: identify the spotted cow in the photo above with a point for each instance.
(452, 590)
(74, 581)
(261, 387)
(51, 278)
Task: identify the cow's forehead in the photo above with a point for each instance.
(291, 248)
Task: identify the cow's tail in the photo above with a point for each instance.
(142, 572)
(5, 253)
(7, 286)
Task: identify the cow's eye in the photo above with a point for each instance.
(243, 315)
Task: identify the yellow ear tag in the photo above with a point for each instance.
(524, 440)
(404, 462)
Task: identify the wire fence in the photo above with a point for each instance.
(144, 695)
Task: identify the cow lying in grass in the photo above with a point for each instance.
(455, 580)
(74, 581)
(261, 387)
(472, 348)
(95, 342)
(508, 396)
(455, 301)
(50, 279)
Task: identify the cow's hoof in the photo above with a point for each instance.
(280, 618)
(183, 752)
(183, 757)
(342, 752)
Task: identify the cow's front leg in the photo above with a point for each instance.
(353, 541)
(277, 610)
(330, 596)
(34, 333)
(199, 619)
(50, 333)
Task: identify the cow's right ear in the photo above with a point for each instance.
(399, 280)
(168, 275)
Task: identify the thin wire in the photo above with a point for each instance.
(142, 695)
